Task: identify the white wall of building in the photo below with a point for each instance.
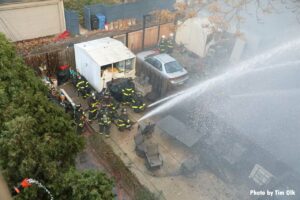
(193, 35)
(23, 21)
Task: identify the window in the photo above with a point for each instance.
(173, 66)
(128, 65)
(124, 66)
(120, 66)
(149, 60)
(260, 175)
(155, 63)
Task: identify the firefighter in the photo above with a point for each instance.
(93, 112)
(80, 125)
(87, 90)
(137, 103)
(80, 86)
(170, 43)
(64, 102)
(111, 105)
(109, 101)
(74, 80)
(78, 112)
(24, 184)
(104, 124)
(52, 94)
(79, 118)
(128, 92)
(162, 44)
(123, 122)
(106, 110)
(92, 100)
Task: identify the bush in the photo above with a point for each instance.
(37, 138)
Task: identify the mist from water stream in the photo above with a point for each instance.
(259, 62)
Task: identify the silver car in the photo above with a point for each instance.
(165, 65)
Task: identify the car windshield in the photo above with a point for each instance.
(173, 66)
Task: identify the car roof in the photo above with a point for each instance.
(164, 58)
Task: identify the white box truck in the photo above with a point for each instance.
(102, 60)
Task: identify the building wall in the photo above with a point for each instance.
(193, 36)
(22, 21)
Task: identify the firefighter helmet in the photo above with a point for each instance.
(124, 110)
(93, 95)
(78, 106)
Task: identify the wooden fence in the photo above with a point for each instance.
(55, 57)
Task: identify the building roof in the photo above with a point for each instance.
(261, 107)
(267, 113)
(106, 51)
(179, 130)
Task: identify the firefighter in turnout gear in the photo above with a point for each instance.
(137, 103)
(79, 118)
(80, 86)
(162, 44)
(93, 109)
(105, 109)
(74, 77)
(18, 189)
(104, 124)
(78, 113)
(92, 100)
(87, 90)
(170, 43)
(123, 122)
(128, 92)
(80, 125)
(109, 101)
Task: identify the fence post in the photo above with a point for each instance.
(126, 38)
(87, 18)
(158, 33)
(144, 28)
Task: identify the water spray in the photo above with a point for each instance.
(266, 93)
(256, 70)
(236, 71)
(28, 182)
(165, 99)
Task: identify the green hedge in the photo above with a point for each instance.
(37, 139)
